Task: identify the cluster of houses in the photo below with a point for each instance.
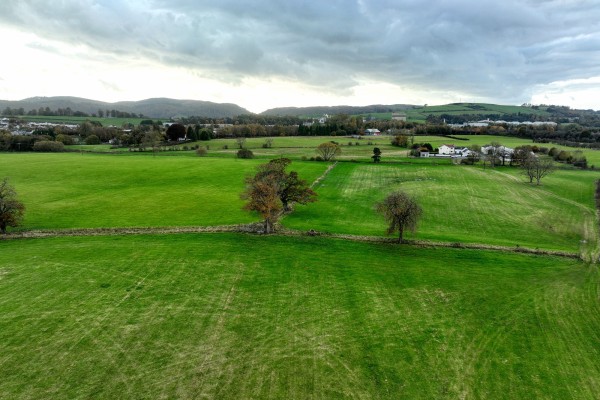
(27, 128)
(451, 151)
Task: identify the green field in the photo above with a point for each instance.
(118, 122)
(420, 114)
(225, 315)
(93, 190)
(237, 316)
(460, 204)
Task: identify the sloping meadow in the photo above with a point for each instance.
(460, 204)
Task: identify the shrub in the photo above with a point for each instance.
(225, 147)
(205, 135)
(48, 146)
(245, 153)
(400, 141)
(64, 139)
(201, 151)
(92, 139)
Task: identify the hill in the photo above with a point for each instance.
(317, 111)
(153, 108)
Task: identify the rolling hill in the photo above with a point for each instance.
(153, 108)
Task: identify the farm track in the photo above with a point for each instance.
(255, 228)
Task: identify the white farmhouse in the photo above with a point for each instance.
(446, 150)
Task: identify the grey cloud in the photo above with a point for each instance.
(485, 48)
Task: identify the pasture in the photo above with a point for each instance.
(227, 315)
(73, 190)
(118, 122)
(420, 114)
(460, 204)
(238, 316)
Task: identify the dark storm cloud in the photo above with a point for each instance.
(483, 48)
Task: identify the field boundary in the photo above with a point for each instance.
(257, 227)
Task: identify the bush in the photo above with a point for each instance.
(201, 151)
(64, 139)
(400, 141)
(205, 135)
(92, 139)
(245, 153)
(225, 147)
(48, 146)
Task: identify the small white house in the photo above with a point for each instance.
(372, 132)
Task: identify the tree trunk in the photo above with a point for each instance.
(400, 232)
(267, 226)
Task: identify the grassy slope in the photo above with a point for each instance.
(89, 190)
(463, 204)
(118, 122)
(421, 113)
(227, 316)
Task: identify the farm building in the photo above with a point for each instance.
(372, 132)
(446, 150)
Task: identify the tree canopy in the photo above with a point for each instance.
(11, 209)
(272, 190)
(328, 150)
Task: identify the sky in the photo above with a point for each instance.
(263, 54)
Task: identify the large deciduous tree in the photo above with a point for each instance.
(328, 150)
(11, 209)
(401, 212)
(272, 190)
(176, 132)
(262, 197)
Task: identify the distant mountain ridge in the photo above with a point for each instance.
(152, 108)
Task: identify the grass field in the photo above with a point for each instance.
(118, 122)
(249, 316)
(237, 316)
(420, 114)
(73, 190)
(460, 204)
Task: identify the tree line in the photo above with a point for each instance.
(67, 112)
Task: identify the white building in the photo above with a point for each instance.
(446, 150)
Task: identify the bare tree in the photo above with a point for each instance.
(11, 209)
(241, 141)
(401, 212)
(536, 168)
(328, 150)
